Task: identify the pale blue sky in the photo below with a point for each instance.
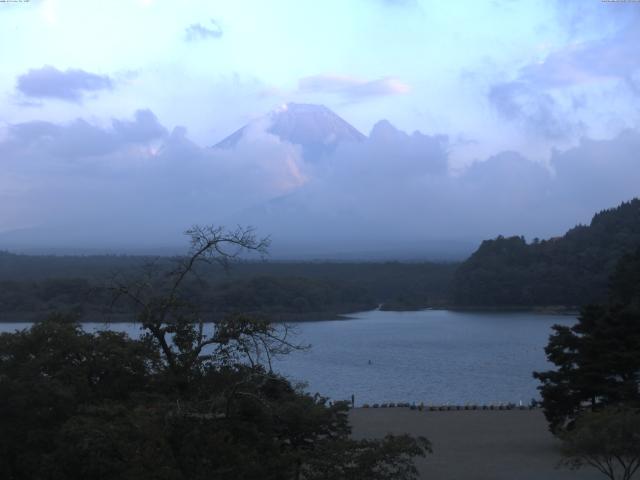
(439, 60)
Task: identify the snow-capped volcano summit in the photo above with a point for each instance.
(315, 128)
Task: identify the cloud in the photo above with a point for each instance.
(579, 17)
(351, 87)
(533, 109)
(393, 153)
(197, 31)
(79, 139)
(135, 182)
(598, 69)
(132, 182)
(145, 127)
(394, 191)
(394, 194)
(399, 3)
(596, 172)
(614, 57)
(70, 85)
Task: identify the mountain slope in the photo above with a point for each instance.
(315, 128)
(569, 270)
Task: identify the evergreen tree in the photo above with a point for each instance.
(598, 359)
(571, 270)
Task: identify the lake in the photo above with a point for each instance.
(430, 356)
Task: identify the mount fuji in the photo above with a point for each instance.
(315, 128)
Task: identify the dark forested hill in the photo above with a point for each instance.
(31, 286)
(569, 270)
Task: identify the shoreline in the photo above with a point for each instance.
(34, 317)
(423, 407)
(569, 310)
(288, 317)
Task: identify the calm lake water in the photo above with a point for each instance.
(430, 356)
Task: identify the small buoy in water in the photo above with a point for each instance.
(369, 362)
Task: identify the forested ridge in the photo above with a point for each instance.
(571, 270)
(568, 270)
(32, 286)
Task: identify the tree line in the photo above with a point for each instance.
(570, 270)
(32, 286)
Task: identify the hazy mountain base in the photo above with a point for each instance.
(552, 276)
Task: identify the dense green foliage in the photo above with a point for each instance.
(75, 405)
(181, 402)
(569, 270)
(31, 286)
(278, 297)
(597, 359)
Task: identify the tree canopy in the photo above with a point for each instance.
(597, 359)
(570, 270)
(607, 440)
(181, 402)
(31, 286)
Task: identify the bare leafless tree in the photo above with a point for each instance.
(177, 325)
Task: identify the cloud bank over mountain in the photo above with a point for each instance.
(136, 183)
(394, 193)
(130, 183)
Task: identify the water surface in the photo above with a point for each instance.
(430, 356)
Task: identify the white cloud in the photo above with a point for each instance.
(120, 184)
(136, 183)
(393, 193)
(616, 56)
(353, 88)
(197, 31)
(534, 109)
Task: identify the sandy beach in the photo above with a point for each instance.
(475, 444)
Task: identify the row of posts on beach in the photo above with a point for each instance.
(441, 408)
